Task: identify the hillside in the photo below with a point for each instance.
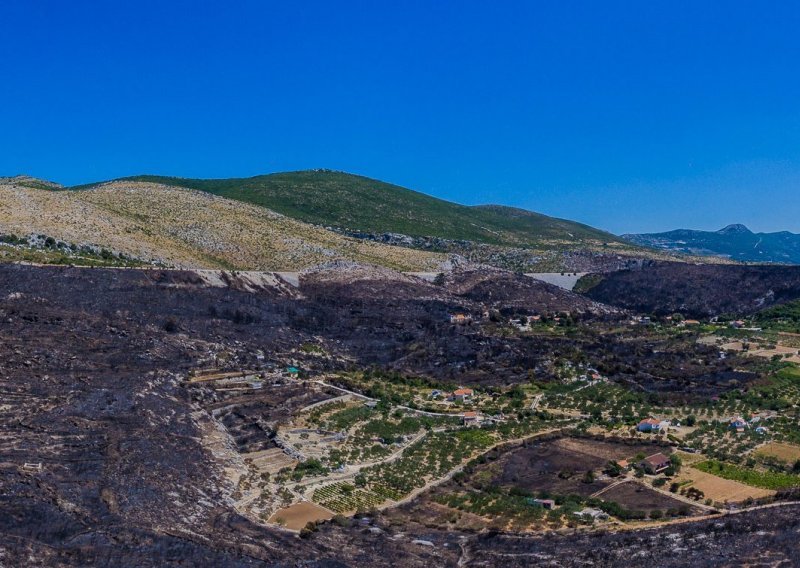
(736, 242)
(352, 202)
(696, 290)
(186, 228)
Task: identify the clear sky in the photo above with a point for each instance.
(630, 116)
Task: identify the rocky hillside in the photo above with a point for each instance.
(187, 228)
(736, 242)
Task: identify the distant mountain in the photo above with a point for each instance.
(357, 203)
(736, 242)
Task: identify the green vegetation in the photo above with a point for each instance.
(765, 479)
(785, 317)
(309, 467)
(430, 458)
(17, 249)
(344, 419)
(354, 202)
(586, 283)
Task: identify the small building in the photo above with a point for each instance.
(623, 465)
(435, 394)
(293, 371)
(738, 324)
(592, 514)
(460, 319)
(470, 418)
(691, 322)
(371, 403)
(648, 425)
(462, 395)
(762, 430)
(738, 423)
(548, 504)
(655, 464)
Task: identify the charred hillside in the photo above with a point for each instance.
(102, 459)
(697, 290)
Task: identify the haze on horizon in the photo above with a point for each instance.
(630, 118)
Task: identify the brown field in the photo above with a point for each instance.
(296, 516)
(272, 460)
(636, 497)
(719, 489)
(780, 450)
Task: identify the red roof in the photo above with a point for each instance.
(651, 421)
(463, 392)
(657, 460)
(470, 414)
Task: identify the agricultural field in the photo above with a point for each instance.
(788, 453)
(560, 466)
(718, 489)
(297, 516)
(638, 497)
(500, 489)
(757, 478)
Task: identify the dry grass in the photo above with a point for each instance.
(299, 515)
(190, 229)
(782, 451)
(718, 489)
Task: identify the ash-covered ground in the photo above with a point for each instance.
(101, 454)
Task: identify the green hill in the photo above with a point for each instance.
(357, 203)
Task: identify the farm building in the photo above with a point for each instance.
(460, 319)
(545, 503)
(655, 463)
(738, 423)
(652, 425)
(470, 418)
(593, 514)
(462, 395)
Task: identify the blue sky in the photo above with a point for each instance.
(630, 116)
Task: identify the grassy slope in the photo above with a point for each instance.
(359, 203)
(189, 229)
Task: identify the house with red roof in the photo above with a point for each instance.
(655, 463)
(462, 395)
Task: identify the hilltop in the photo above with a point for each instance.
(357, 203)
(736, 242)
(186, 228)
(295, 220)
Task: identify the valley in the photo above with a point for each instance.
(381, 416)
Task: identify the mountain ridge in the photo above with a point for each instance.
(735, 241)
(355, 202)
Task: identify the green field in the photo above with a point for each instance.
(765, 479)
